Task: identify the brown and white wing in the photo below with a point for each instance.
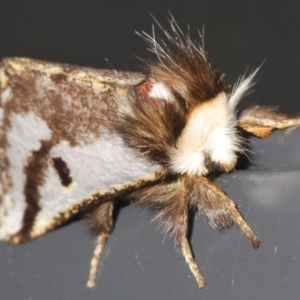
(60, 153)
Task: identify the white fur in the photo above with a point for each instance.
(161, 91)
(210, 131)
(241, 88)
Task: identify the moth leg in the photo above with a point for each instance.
(172, 203)
(178, 224)
(236, 216)
(102, 223)
(189, 258)
(262, 120)
(100, 244)
(214, 203)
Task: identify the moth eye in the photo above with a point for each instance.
(62, 170)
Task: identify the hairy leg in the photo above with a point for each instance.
(220, 210)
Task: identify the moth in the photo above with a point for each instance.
(76, 140)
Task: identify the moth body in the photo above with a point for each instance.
(75, 140)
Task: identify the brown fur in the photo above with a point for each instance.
(169, 198)
(151, 127)
(190, 74)
(176, 196)
(35, 176)
(101, 218)
(185, 67)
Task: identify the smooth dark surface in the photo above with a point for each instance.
(139, 263)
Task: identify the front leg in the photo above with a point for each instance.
(175, 197)
(262, 120)
(169, 197)
(220, 210)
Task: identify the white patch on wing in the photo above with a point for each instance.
(101, 166)
(210, 131)
(24, 136)
(160, 91)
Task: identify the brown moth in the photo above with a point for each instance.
(73, 140)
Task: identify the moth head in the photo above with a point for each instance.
(208, 140)
(184, 77)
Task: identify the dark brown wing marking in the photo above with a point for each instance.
(35, 176)
(62, 170)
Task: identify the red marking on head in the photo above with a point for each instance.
(144, 89)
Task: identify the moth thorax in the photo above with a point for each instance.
(209, 138)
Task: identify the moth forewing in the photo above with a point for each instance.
(60, 153)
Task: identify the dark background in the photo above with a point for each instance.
(139, 262)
